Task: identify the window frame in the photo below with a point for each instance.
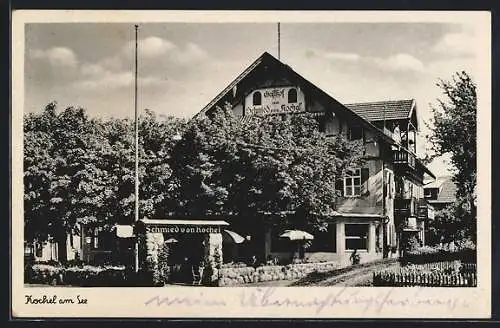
(352, 237)
(352, 185)
(257, 95)
(288, 96)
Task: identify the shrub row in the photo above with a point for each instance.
(84, 276)
(241, 275)
(433, 254)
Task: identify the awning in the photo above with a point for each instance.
(232, 237)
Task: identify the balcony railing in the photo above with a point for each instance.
(411, 224)
(404, 207)
(403, 157)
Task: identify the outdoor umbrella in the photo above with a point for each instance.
(297, 235)
(171, 240)
(232, 237)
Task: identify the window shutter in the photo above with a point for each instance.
(365, 174)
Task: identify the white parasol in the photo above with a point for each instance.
(297, 235)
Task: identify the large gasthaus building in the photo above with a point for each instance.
(381, 204)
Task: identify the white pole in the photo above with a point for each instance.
(136, 138)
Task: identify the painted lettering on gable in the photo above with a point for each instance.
(275, 101)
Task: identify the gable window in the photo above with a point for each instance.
(292, 96)
(355, 132)
(356, 236)
(257, 98)
(352, 183)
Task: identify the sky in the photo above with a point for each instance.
(182, 66)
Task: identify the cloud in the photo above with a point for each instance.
(154, 46)
(456, 44)
(92, 70)
(158, 59)
(342, 56)
(102, 79)
(400, 62)
(57, 56)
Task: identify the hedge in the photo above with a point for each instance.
(83, 276)
(439, 254)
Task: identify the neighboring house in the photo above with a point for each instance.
(440, 192)
(380, 202)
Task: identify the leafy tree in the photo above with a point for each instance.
(453, 132)
(261, 165)
(81, 170)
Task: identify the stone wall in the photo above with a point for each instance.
(231, 276)
(213, 258)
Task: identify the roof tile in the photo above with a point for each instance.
(383, 110)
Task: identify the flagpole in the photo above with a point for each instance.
(279, 42)
(136, 139)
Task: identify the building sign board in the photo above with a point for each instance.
(183, 229)
(278, 100)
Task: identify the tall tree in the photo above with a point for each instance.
(261, 165)
(81, 170)
(453, 132)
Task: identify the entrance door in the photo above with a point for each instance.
(187, 253)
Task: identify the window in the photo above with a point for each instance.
(356, 236)
(292, 96)
(257, 98)
(352, 183)
(355, 133)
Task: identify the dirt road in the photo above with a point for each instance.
(352, 276)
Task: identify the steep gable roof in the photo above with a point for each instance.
(384, 110)
(268, 58)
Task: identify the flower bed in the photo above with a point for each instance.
(84, 275)
(237, 275)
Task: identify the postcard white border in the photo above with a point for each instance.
(130, 302)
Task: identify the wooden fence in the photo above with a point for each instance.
(444, 266)
(437, 274)
(426, 279)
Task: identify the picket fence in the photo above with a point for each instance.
(443, 266)
(436, 274)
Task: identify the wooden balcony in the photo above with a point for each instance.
(404, 207)
(404, 157)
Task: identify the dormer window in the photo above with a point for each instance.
(292, 96)
(257, 98)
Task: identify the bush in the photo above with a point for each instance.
(84, 275)
(462, 250)
(44, 274)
